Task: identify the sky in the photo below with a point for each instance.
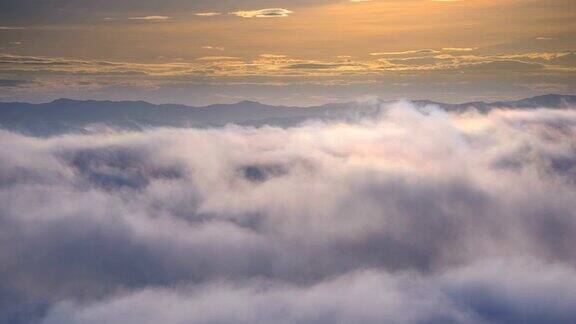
(297, 52)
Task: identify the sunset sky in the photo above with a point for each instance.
(308, 181)
(296, 52)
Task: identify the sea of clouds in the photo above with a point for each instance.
(420, 216)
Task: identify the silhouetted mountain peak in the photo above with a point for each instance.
(63, 101)
(249, 102)
(550, 100)
(65, 115)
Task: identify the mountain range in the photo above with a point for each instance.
(66, 115)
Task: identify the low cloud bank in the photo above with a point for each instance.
(493, 292)
(420, 216)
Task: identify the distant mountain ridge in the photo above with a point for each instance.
(66, 115)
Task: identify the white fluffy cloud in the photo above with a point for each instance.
(404, 219)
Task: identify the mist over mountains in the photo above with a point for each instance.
(425, 214)
(65, 115)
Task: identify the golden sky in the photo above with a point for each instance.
(285, 52)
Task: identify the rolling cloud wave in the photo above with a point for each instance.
(419, 216)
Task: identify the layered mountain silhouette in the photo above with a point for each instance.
(66, 115)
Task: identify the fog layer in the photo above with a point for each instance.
(419, 216)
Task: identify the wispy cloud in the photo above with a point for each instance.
(218, 58)
(270, 64)
(11, 28)
(208, 14)
(263, 13)
(209, 47)
(151, 18)
(459, 49)
(422, 51)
